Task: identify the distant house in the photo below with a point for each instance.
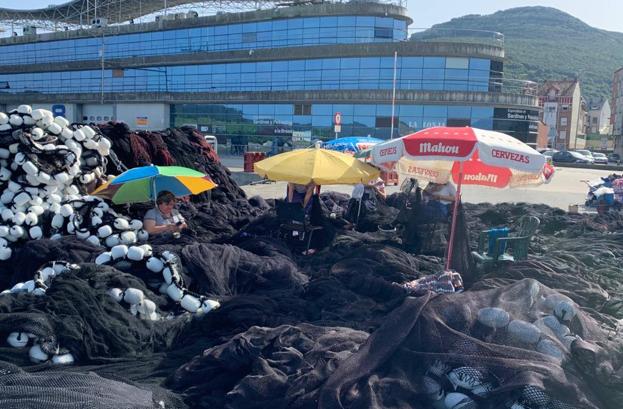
(564, 113)
(598, 116)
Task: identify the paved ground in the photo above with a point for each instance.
(566, 188)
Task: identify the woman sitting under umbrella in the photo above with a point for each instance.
(439, 198)
(164, 218)
(301, 194)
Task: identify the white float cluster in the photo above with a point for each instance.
(38, 286)
(139, 305)
(38, 353)
(166, 264)
(42, 278)
(44, 164)
(90, 218)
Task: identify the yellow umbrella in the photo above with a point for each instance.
(321, 166)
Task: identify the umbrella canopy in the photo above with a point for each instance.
(468, 156)
(143, 184)
(317, 165)
(352, 144)
(488, 158)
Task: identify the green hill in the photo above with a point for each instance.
(545, 43)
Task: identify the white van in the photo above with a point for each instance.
(211, 139)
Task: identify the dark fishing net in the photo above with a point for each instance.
(523, 345)
(74, 390)
(280, 367)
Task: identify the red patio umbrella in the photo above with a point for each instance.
(467, 155)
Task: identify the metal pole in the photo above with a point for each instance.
(391, 134)
(454, 215)
(102, 70)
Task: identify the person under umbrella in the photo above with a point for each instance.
(302, 194)
(164, 217)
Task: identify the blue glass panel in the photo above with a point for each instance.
(322, 120)
(330, 63)
(266, 109)
(479, 64)
(434, 62)
(363, 21)
(280, 66)
(435, 111)
(345, 109)
(482, 112)
(459, 112)
(247, 67)
(328, 21)
(384, 22)
(311, 22)
(400, 25)
(482, 123)
(365, 110)
(410, 110)
(370, 62)
(411, 62)
(295, 23)
(322, 109)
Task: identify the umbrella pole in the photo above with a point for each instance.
(358, 212)
(153, 187)
(454, 215)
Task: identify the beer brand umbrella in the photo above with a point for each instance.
(317, 165)
(468, 156)
(142, 184)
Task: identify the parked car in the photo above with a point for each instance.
(569, 157)
(588, 154)
(614, 157)
(600, 158)
(548, 152)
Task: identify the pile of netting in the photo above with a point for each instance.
(232, 315)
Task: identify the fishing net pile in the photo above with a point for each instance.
(231, 314)
(218, 213)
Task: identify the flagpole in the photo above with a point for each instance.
(391, 134)
(457, 197)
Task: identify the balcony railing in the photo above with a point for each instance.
(457, 35)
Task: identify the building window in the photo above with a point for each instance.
(563, 121)
(249, 37)
(565, 107)
(302, 109)
(459, 122)
(383, 32)
(384, 121)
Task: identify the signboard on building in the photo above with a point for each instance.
(337, 119)
(301, 136)
(142, 121)
(59, 110)
(516, 114)
(337, 128)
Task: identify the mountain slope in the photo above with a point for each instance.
(546, 43)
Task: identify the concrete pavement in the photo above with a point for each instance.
(566, 188)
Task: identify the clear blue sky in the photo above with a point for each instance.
(603, 14)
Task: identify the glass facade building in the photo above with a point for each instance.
(412, 73)
(280, 73)
(294, 32)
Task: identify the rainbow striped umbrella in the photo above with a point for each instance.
(143, 184)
